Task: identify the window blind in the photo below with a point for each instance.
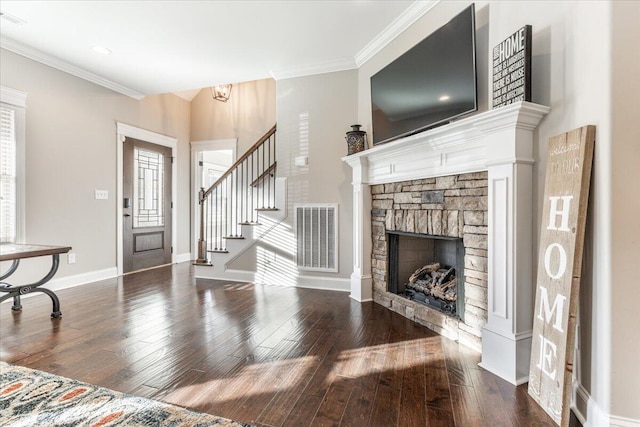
(7, 174)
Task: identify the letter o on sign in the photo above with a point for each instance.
(562, 260)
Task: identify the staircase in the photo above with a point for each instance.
(239, 208)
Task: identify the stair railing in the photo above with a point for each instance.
(235, 199)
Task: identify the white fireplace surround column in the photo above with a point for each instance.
(499, 141)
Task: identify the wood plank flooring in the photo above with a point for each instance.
(267, 355)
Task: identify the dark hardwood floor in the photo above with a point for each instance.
(267, 355)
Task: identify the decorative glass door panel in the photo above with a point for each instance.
(148, 188)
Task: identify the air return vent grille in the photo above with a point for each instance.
(317, 237)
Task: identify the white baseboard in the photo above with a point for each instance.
(310, 282)
(76, 280)
(595, 416)
(324, 283)
(82, 279)
(364, 300)
(615, 421)
(183, 257)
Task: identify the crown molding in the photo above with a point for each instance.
(13, 97)
(31, 53)
(401, 23)
(321, 68)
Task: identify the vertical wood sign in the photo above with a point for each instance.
(559, 264)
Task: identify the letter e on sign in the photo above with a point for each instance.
(559, 266)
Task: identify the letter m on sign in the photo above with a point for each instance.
(559, 265)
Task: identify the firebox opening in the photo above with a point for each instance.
(428, 270)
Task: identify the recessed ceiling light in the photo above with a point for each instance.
(444, 98)
(101, 50)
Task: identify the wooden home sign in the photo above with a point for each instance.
(559, 264)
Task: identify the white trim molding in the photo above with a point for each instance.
(46, 59)
(318, 68)
(615, 421)
(66, 282)
(498, 141)
(123, 131)
(596, 416)
(393, 30)
(17, 101)
(324, 283)
(13, 97)
(183, 257)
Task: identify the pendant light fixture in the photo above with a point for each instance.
(221, 92)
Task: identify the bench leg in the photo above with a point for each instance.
(54, 299)
(17, 305)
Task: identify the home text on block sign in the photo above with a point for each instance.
(512, 68)
(559, 263)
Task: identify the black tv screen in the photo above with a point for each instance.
(429, 85)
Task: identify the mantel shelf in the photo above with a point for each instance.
(467, 145)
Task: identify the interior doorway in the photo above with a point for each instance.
(209, 160)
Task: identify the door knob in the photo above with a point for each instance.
(127, 215)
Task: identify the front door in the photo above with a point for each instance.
(146, 205)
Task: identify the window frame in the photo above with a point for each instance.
(16, 100)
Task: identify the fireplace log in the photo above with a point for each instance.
(447, 275)
(434, 280)
(445, 291)
(423, 271)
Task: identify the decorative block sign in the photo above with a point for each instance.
(512, 68)
(559, 266)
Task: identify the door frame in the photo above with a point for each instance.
(123, 131)
(197, 147)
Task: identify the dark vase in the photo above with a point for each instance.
(356, 140)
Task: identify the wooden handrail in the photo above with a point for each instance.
(264, 174)
(240, 160)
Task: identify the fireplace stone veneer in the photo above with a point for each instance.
(499, 143)
(449, 206)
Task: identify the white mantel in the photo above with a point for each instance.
(499, 141)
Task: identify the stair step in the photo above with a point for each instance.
(249, 223)
(267, 209)
(218, 251)
(234, 237)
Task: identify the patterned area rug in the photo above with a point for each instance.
(34, 398)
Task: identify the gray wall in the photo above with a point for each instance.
(248, 114)
(314, 112)
(625, 205)
(71, 151)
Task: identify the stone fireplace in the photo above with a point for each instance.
(418, 222)
(470, 179)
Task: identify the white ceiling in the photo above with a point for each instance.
(181, 46)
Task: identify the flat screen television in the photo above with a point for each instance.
(429, 85)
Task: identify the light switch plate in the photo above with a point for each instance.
(102, 194)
